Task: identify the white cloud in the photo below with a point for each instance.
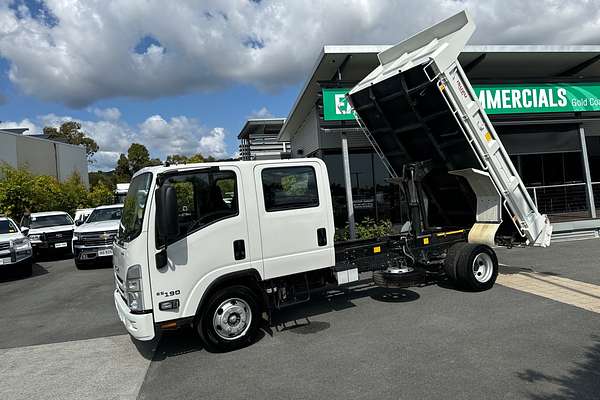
(32, 129)
(111, 113)
(262, 113)
(178, 135)
(79, 52)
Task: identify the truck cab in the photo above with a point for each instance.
(187, 254)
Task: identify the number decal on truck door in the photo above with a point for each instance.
(168, 293)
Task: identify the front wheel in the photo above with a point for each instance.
(230, 320)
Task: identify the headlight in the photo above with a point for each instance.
(133, 288)
(135, 301)
(35, 237)
(76, 236)
(20, 243)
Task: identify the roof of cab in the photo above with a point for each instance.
(242, 164)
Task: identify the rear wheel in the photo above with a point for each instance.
(230, 320)
(472, 266)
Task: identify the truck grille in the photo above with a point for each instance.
(4, 246)
(63, 236)
(97, 239)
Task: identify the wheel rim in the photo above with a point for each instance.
(232, 319)
(483, 267)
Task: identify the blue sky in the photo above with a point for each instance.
(183, 76)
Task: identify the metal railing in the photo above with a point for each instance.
(562, 202)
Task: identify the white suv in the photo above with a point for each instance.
(49, 231)
(15, 249)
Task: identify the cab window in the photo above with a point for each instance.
(203, 198)
(288, 188)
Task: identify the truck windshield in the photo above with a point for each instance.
(105, 214)
(134, 206)
(47, 221)
(7, 226)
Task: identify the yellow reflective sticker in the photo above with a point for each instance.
(426, 240)
(376, 249)
(488, 136)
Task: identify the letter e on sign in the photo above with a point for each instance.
(341, 104)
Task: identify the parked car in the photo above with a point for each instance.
(92, 241)
(81, 215)
(15, 248)
(49, 231)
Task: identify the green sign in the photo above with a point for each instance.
(336, 106)
(499, 99)
(539, 98)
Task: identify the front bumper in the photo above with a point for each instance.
(91, 253)
(21, 257)
(54, 246)
(140, 326)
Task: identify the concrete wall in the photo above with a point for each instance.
(306, 137)
(8, 149)
(333, 140)
(72, 159)
(44, 157)
(36, 155)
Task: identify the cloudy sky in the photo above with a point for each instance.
(182, 76)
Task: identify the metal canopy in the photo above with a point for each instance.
(502, 63)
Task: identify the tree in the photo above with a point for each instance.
(71, 133)
(123, 171)
(100, 195)
(181, 159)
(102, 178)
(138, 157)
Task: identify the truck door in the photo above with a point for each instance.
(296, 222)
(212, 239)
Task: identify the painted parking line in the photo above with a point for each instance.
(576, 293)
(102, 368)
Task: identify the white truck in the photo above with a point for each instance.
(92, 240)
(184, 256)
(121, 192)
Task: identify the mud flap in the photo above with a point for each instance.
(489, 206)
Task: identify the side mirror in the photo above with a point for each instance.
(166, 213)
(25, 230)
(79, 222)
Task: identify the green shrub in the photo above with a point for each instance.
(100, 195)
(20, 189)
(366, 229)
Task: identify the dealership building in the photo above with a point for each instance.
(544, 102)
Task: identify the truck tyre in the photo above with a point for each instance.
(451, 259)
(230, 320)
(79, 264)
(476, 267)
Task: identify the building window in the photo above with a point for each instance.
(373, 195)
(288, 188)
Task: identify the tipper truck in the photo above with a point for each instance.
(184, 256)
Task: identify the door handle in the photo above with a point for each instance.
(239, 250)
(321, 237)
